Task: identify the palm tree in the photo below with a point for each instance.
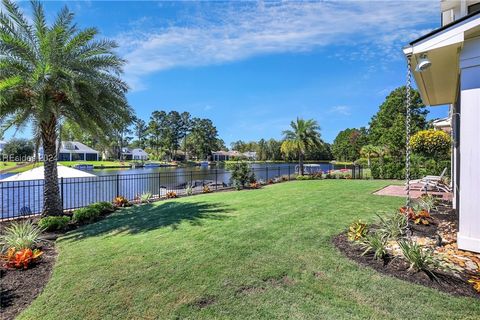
(52, 73)
(305, 134)
(369, 151)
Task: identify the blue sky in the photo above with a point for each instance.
(252, 67)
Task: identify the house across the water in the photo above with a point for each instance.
(73, 151)
(134, 154)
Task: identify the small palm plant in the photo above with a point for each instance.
(20, 235)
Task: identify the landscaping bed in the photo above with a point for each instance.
(20, 287)
(454, 274)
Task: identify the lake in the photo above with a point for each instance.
(23, 198)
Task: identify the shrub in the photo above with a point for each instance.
(299, 177)
(392, 227)
(475, 281)
(103, 207)
(171, 195)
(357, 230)
(431, 143)
(21, 258)
(374, 242)
(145, 197)
(86, 215)
(21, 235)
(54, 223)
(241, 174)
(420, 258)
(206, 189)
(121, 201)
(188, 191)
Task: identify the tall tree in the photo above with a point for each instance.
(387, 127)
(203, 138)
(304, 134)
(156, 127)
(347, 144)
(140, 129)
(54, 72)
(369, 151)
(186, 127)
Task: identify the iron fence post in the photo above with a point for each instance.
(118, 186)
(266, 173)
(288, 172)
(61, 190)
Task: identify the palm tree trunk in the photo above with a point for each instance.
(369, 162)
(52, 205)
(300, 162)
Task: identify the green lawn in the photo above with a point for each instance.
(260, 254)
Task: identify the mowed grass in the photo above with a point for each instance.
(259, 254)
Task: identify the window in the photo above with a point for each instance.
(474, 8)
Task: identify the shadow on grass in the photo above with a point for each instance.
(149, 217)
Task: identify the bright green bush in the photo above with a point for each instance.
(86, 215)
(299, 177)
(242, 175)
(103, 207)
(431, 143)
(54, 223)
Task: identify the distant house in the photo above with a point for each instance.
(2, 145)
(230, 155)
(134, 154)
(73, 151)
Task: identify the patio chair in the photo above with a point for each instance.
(429, 183)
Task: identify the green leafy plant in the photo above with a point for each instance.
(299, 177)
(103, 207)
(427, 202)
(86, 215)
(420, 258)
(21, 235)
(241, 174)
(392, 226)
(374, 242)
(357, 230)
(54, 223)
(146, 197)
(188, 190)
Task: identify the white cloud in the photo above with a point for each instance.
(222, 33)
(341, 110)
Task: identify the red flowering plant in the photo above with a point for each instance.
(418, 217)
(21, 259)
(171, 195)
(121, 201)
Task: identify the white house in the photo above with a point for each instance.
(134, 154)
(73, 151)
(446, 67)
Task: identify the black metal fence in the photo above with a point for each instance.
(25, 198)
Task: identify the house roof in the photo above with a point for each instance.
(447, 26)
(76, 147)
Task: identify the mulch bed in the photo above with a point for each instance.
(18, 288)
(398, 268)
